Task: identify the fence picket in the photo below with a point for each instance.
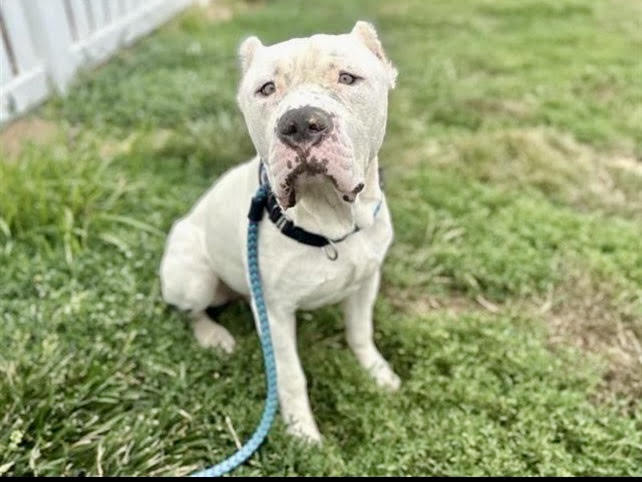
(98, 13)
(81, 18)
(6, 73)
(131, 5)
(48, 18)
(109, 14)
(17, 31)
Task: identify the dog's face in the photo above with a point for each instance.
(316, 108)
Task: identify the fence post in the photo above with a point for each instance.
(48, 18)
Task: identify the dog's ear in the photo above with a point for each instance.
(248, 48)
(366, 32)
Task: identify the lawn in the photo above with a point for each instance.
(511, 301)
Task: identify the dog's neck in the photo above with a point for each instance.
(320, 210)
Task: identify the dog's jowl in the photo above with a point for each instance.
(315, 109)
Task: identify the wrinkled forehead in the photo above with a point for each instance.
(305, 59)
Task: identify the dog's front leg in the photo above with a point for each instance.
(293, 395)
(359, 331)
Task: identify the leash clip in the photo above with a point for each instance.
(331, 251)
(256, 207)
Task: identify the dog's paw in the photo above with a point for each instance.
(385, 377)
(212, 335)
(308, 433)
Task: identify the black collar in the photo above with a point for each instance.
(285, 225)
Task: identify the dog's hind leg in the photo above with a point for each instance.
(210, 334)
(189, 283)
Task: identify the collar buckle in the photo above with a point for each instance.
(280, 222)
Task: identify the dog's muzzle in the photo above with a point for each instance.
(310, 142)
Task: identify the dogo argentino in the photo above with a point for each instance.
(315, 109)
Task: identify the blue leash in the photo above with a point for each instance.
(271, 401)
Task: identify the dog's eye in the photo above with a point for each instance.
(348, 79)
(267, 89)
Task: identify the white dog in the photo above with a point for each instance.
(316, 111)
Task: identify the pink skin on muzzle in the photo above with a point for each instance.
(332, 158)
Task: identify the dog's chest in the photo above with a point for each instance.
(308, 278)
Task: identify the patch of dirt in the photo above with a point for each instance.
(516, 108)
(583, 313)
(595, 318)
(626, 163)
(544, 159)
(224, 10)
(154, 141)
(18, 133)
(215, 11)
(415, 304)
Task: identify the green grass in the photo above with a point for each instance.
(511, 302)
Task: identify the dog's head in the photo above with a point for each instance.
(316, 108)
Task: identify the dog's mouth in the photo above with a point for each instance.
(307, 170)
(295, 168)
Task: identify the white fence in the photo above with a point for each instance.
(43, 43)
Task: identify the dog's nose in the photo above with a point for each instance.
(303, 125)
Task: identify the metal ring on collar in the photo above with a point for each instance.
(331, 251)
